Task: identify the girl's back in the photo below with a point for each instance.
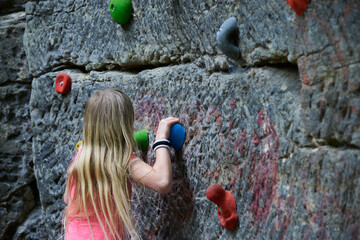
(78, 226)
(98, 179)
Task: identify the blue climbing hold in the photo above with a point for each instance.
(228, 39)
(177, 136)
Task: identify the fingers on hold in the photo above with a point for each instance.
(171, 120)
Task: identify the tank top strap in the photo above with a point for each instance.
(133, 158)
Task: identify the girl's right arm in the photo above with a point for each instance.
(159, 176)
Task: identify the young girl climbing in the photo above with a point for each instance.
(98, 187)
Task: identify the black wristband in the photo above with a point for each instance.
(161, 142)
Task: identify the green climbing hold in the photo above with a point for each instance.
(142, 139)
(121, 10)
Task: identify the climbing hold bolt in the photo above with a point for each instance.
(121, 10)
(228, 39)
(226, 206)
(299, 6)
(63, 83)
(77, 146)
(142, 140)
(177, 136)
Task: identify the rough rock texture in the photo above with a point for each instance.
(18, 191)
(82, 33)
(11, 6)
(284, 139)
(33, 227)
(244, 131)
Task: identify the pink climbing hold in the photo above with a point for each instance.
(63, 83)
(226, 206)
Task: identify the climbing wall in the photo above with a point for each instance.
(278, 127)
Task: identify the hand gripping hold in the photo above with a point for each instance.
(177, 136)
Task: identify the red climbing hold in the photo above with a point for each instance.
(226, 205)
(63, 83)
(299, 6)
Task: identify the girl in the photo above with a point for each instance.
(98, 188)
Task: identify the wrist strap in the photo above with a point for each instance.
(161, 146)
(161, 143)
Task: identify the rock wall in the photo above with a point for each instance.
(18, 186)
(279, 127)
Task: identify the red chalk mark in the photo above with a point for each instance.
(256, 139)
(306, 78)
(303, 183)
(260, 118)
(238, 172)
(229, 139)
(232, 104)
(149, 108)
(219, 121)
(284, 210)
(241, 167)
(354, 230)
(263, 178)
(221, 141)
(212, 112)
(335, 41)
(241, 144)
(193, 114)
(299, 6)
(214, 174)
(328, 201)
(226, 206)
(252, 164)
(354, 110)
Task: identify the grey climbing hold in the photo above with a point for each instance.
(227, 38)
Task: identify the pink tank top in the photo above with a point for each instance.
(78, 227)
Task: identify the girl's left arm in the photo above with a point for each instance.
(159, 176)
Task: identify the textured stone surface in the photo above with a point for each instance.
(34, 227)
(10, 6)
(83, 33)
(283, 139)
(17, 182)
(13, 64)
(245, 131)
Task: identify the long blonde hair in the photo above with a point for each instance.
(100, 174)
